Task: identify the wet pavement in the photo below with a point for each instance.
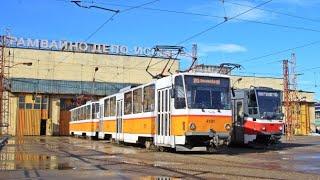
(72, 158)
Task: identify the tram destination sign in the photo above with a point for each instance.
(63, 45)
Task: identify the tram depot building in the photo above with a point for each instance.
(42, 94)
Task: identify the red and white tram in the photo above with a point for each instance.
(258, 117)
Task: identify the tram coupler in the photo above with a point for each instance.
(217, 143)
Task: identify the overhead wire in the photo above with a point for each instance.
(220, 17)
(225, 20)
(273, 11)
(213, 16)
(111, 18)
(279, 52)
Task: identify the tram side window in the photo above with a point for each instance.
(72, 116)
(88, 112)
(148, 98)
(128, 103)
(113, 106)
(180, 101)
(106, 107)
(95, 110)
(93, 107)
(77, 114)
(81, 113)
(137, 101)
(253, 109)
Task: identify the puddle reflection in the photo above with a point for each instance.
(16, 161)
(159, 178)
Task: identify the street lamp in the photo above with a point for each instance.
(94, 79)
(5, 84)
(232, 87)
(22, 63)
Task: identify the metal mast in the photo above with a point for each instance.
(286, 94)
(294, 98)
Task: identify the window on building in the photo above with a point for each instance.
(113, 106)
(29, 105)
(106, 107)
(137, 101)
(44, 103)
(37, 102)
(22, 101)
(148, 98)
(128, 103)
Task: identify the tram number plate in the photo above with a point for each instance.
(210, 121)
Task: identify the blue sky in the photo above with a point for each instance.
(235, 41)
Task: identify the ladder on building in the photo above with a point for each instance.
(4, 85)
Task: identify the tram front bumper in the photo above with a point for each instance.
(208, 138)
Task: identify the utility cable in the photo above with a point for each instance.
(274, 11)
(225, 20)
(279, 52)
(220, 17)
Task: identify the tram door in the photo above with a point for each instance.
(101, 131)
(119, 125)
(238, 115)
(163, 120)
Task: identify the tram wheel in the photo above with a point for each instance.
(149, 145)
(212, 149)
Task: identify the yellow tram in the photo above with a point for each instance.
(184, 111)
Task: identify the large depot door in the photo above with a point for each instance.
(119, 125)
(163, 119)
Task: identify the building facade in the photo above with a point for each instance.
(66, 74)
(41, 94)
(317, 117)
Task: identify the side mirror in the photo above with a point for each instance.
(232, 91)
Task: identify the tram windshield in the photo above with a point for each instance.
(207, 92)
(269, 103)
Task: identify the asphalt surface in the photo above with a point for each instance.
(73, 158)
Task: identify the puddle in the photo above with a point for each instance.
(17, 161)
(64, 166)
(161, 163)
(308, 157)
(159, 178)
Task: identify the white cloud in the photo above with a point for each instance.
(256, 14)
(205, 49)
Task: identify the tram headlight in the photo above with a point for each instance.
(280, 128)
(227, 127)
(263, 128)
(192, 126)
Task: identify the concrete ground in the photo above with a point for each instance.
(72, 158)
